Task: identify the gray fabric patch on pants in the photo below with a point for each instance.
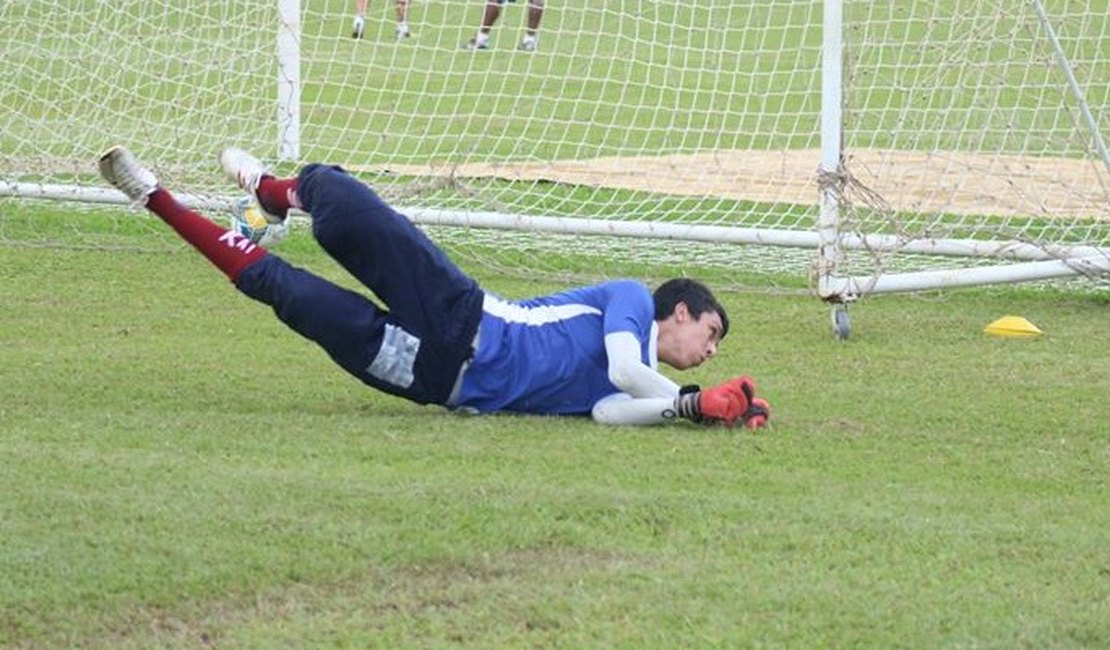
(396, 357)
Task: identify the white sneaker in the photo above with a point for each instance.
(120, 168)
(243, 168)
(527, 45)
(246, 171)
(360, 26)
(476, 43)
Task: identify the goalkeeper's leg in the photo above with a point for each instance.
(361, 338)
(227, 250)
(381, 247)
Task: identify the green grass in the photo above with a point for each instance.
(179, 470)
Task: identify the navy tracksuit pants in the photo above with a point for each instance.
(415, 346)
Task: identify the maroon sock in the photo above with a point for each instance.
(273, 194)
(228, 250)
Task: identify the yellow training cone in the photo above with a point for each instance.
(1012, 326)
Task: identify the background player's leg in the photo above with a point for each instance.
(401, 7)
(360, 19)
(531, 32)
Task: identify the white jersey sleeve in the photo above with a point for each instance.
(629, 373)
(647, 396)
(623, 409)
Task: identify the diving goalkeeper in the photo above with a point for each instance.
(440, 338)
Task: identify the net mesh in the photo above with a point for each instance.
(958, 119)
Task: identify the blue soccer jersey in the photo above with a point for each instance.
(547, 355)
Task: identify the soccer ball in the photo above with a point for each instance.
(248, 221)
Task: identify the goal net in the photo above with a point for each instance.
(694, 128)
(975, 129)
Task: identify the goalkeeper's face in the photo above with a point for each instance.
(685, 341)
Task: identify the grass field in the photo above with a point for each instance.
(177, 470)
(180, 471)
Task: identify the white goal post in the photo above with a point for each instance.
(1037, 259)
(861, 147)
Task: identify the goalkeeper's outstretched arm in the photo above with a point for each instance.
(623, 409)
(727, 404)
(649, 398)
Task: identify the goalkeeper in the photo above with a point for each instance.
(442, 339)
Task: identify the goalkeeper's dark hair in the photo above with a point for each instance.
(698, 298)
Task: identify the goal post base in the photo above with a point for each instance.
(842, 290)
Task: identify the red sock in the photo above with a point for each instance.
(229, 251)
(273, 194)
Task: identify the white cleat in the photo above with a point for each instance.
(246, 171)
(359, 28)
(119, 167)
(243, 168)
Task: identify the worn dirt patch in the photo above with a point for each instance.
(949, 182)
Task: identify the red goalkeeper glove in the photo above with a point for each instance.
(724, 403)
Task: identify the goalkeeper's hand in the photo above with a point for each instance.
(725, 403)
(759, 411)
